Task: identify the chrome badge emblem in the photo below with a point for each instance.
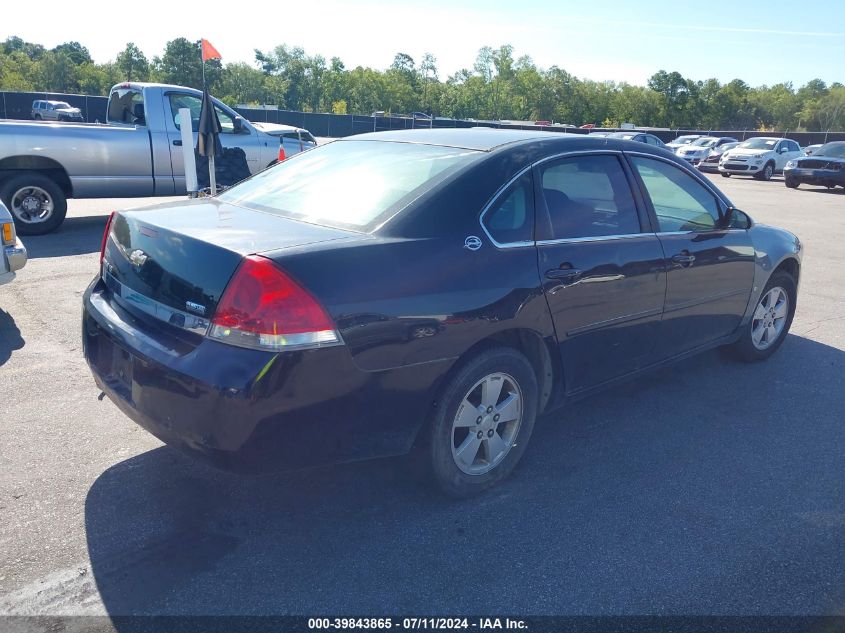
(138, 257)
(195, 307)
(472, 242)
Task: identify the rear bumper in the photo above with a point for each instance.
(248, 410)
(826, 177)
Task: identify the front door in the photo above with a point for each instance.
(711, 268)
(602, 268)
(246, 140)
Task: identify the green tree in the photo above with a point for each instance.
(133, 64)
(77, 52)
(181, 64)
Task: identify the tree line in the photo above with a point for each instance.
(498, 86)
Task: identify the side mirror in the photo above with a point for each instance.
(735, 219)
(238, 124)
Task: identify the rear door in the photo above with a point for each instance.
(710, 268)
(602, 267)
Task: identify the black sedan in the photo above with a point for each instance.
(826, 167)
(430, 291)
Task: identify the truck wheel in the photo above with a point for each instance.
(482, 423)
(37, 203)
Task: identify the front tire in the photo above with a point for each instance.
(725, 174)
(767, 172)
(792, 183)
(771, 320)
(482, 422)
(37, 203)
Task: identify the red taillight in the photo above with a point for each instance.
(264, 308)
(281, 153)
(105, 238)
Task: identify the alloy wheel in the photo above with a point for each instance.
(769, 318)
(32, 205)
(486, 423)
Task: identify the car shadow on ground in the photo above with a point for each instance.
(10, 337)
(711, 487)
(811, 188)
(75, 236)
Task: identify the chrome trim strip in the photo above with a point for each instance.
(127, 297)
(597, 238)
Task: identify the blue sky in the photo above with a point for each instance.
(761, 42)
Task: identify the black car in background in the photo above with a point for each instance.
(430, 291)
(825, 166)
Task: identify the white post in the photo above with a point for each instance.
(212, 176)
(191, 183)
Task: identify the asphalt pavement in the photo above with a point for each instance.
(713, 487)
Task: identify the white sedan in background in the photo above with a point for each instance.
(760, 157)
(292, 140)
(12, 251)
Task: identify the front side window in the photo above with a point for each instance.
(588, 196)
(194, 104)
(511, 218)
(680, 202)
(348, 183)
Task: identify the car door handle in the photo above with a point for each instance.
(683, 259)
(562, 273)
(177, 143)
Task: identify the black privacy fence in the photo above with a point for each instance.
(18, 105)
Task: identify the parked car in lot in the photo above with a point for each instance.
(711, 162)
(700, 148)
(760, 157)
(810, 149)
(640, 137)
(13, 253)
(292, 140)
(380, 294)
(825, 167)
(55, 111)
(138, 153)
(681, 141)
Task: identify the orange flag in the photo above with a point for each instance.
(209, 52)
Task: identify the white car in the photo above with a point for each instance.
(681, 141)
(760, 157)
(12, 252)
(700, 148)
(292, 140)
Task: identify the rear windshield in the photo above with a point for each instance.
(354, 184)
(705, 142)
(834, 150)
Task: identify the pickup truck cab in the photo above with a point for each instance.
(137, 153)
(761, 157)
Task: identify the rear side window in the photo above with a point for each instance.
(511, 218)
(588, 196)
(680, 202)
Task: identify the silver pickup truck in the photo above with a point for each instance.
(138, 152)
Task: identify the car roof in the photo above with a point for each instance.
(483, 139)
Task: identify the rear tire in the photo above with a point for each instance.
(482, 422)
(753, 344)
(792, 183)
(38, 205)
(37, 117)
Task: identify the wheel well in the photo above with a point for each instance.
(536, 350)
(791, 267)
(14, 165)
